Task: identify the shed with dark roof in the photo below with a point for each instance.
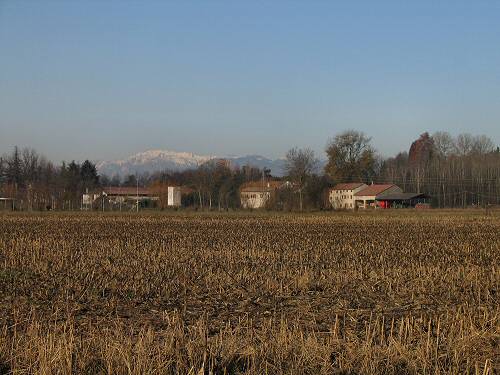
(402, 200)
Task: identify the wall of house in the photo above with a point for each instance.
(361, 199)
(343, 199)
(250, 199)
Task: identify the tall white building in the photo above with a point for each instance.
(341, 196)
(174, 196)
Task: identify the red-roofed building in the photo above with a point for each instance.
(368, 196)
(341, 196)
(125, 197)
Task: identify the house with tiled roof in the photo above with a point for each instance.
(257, 194)
(368, 197)
(341, 196)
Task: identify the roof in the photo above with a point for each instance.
(375, 189)
(258, 186)
(401, 196)
(161, 187)
(126, 190)
(348, 186)
(256, 189)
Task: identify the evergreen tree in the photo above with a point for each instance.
(88, 175)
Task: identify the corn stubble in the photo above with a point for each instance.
(369, 294)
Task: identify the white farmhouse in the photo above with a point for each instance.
(257, 194)
(255, 197)
(341, 196)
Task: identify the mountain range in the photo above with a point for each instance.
(164, 160)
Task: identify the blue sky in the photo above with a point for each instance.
(105, 79)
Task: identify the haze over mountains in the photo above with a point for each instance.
(164, 160)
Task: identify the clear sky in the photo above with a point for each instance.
(105, 79)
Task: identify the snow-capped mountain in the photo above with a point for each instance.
(162, 160)
(152, 161)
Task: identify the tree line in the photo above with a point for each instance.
(455, 171)
(33, 182)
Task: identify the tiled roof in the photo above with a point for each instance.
(258, 186)
(347, 186)
(255, 189)
(373, 190)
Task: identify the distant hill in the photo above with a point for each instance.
(276, 166)
(161, 160)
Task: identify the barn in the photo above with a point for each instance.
(367, 197)
(402, 200)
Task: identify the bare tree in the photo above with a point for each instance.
(3, 168)
(29, 162)
(14, 167)
(300, 164)
(482, 144)
(464, 144)
(443, 143)
(350, 157)
(202, 182)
